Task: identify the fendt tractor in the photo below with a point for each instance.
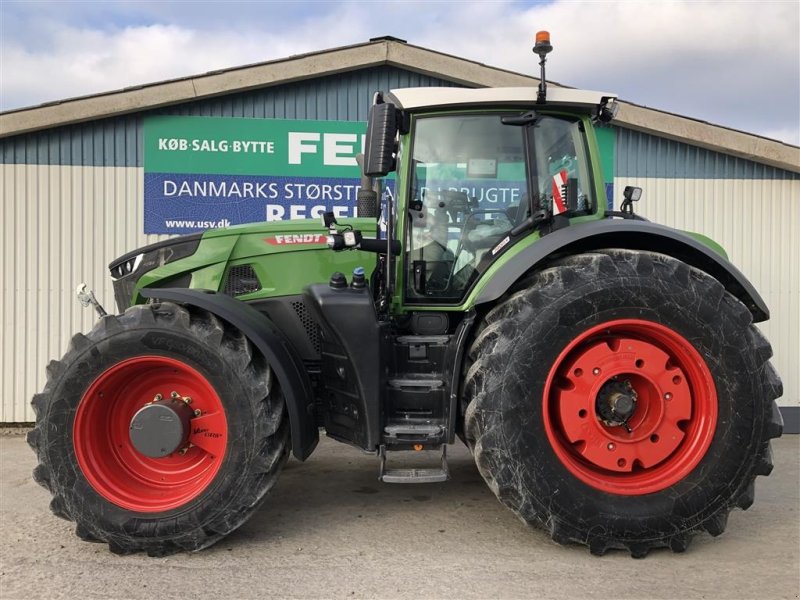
(604, 371)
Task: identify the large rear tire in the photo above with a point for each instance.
(649, 336)
(231, 453)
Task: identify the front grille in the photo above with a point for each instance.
(309, 324)
(241, 279)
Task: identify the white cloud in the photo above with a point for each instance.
(732, 63)
(85, 61)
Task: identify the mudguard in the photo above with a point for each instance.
(275, 347)
(633, 235)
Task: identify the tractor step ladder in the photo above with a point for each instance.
(414, 475)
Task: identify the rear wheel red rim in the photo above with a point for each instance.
(673, 422)
(108, 459)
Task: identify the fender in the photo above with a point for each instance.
(275, 347)
(632, 235)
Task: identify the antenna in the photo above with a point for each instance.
(542, 48)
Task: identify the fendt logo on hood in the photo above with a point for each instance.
(297, 239)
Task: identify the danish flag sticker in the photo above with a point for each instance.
(559, 192)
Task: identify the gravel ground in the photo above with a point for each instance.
(331, 530)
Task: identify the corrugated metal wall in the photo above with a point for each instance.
(643, 155)
(72, 200)
(752, 210)
(60, 226)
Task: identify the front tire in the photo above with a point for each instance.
(662, 340)
(168, 499)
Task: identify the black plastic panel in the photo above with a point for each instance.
(291, 315)
(241, 279)
(351, 351)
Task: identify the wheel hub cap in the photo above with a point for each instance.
(160, 428)
(616, 403)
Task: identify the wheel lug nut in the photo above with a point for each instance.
(667, 396)
(611, 445)
(157, 397)
(197, 412)
(596, 371)
(174, 395)
(187, 399)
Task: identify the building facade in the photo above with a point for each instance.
(78, 180)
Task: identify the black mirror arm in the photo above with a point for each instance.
(540, 216)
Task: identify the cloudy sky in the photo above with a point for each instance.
(735, 63)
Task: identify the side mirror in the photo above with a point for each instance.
(379, 146)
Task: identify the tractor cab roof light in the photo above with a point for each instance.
(542, 42)
(542, 47)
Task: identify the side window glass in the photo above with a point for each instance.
(468, 190)
(561, 176)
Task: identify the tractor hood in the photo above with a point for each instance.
(245, 261)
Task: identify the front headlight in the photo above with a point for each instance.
(120, 269)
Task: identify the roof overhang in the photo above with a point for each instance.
(372, 54)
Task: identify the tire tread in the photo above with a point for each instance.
(486, 361)
(266, 459)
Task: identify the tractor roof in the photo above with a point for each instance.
(433, 97)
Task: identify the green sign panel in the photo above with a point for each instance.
(252, 146)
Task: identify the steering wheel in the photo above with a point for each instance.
(473, 239)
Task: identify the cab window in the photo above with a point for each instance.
(561, 177)
(473, 179)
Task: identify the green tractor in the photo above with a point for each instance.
(605, 371)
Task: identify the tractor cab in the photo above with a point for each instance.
(476, 172)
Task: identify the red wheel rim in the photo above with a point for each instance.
(673, 421)
(108, 459)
